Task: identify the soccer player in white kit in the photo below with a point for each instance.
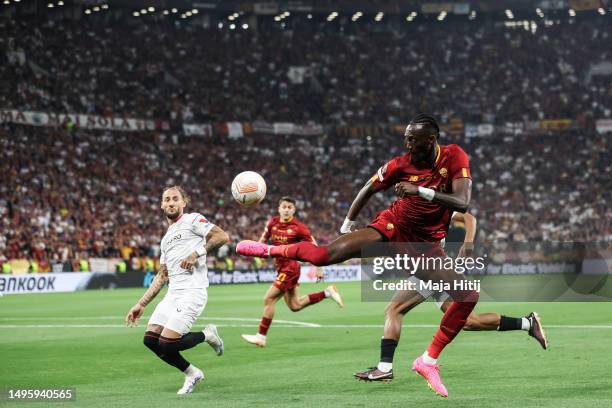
(183, 265)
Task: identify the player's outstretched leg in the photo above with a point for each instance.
(270, 298)
(167, 349)
(346, 247)
(402, 303)
(451, 324)
(295, 302)
(531, 323)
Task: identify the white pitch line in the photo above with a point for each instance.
(312, 326)
(121, 318)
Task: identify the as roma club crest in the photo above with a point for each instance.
(390, 227)
(443, 172)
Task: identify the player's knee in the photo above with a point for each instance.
(167, 347)
(472, 297)
(151, 342)
(295, 307)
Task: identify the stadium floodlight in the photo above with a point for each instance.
(166, 12)
(277, 18)
(151, 9)
(245, 26)
(6, 2)
(379, 16)
(60, 3)
(195, 11)
(96, 8)
(309, 16)
(572, 12)
(356, 16)
(601, 11)
(539, 12)
(509, 14)
(174, 11)
(189, 14)
(286, 14)
(50, 5)
(411, 16)
(135, 14)
(87, 11)
(105, 6)
(442, 15)
(232, 26)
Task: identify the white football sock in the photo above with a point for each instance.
(429, 360)
(525, 324)
(385, 367)
(191, 370)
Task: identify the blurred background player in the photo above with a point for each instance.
(183, 265)
(280, 230)
(404, 301)
(431, 181)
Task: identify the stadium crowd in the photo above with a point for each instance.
(69, 194)
(77, 194)
(477, 71)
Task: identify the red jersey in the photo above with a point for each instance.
(290, 232)
(417, 218)
(281, 233)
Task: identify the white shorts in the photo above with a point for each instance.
(439, 297)
(179, 309)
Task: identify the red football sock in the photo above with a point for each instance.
(316, 297)
(452, 322)
(264, 325)
(302, 251)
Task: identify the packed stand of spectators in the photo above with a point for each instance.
(78, 194)
(149, 69)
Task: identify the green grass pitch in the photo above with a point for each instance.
(42, 346)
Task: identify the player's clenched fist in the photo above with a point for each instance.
(188, 262)
(131, 320)
(404, 189)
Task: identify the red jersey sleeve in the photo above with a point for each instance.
(266, 234)
(459, 166)
(386, 176)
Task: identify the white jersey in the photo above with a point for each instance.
(182, 238)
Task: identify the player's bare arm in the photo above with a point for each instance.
(158, 283)
(469, 221)
(215, 238)
(458, 200)
(357, 205)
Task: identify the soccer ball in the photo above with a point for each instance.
(248, 188)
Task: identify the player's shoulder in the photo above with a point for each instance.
(452, 149)
(274, 220)
(298, 223)
(194, 217)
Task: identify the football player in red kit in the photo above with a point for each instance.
(281, 230)
(431, 181)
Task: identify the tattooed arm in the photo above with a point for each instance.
(158, 283)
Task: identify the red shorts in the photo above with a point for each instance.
(385, 224)
(288, 274)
